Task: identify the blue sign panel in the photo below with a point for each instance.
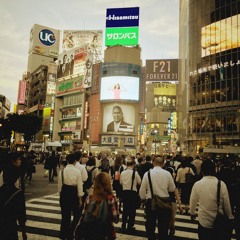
(47, 37)
(122, 17)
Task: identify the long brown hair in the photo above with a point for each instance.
(102, 186)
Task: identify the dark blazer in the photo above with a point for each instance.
(110, 126)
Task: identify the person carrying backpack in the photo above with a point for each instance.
(105, 165)
(100, 212)
(92, 172)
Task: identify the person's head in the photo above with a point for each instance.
(102, 186)
(158, 161)
(78, 155)
(117, 86)
(91, 161)
(71, 158)
(64, 58)
(208, 168)
(15, 158)
(118, 162)
(140, 160)
(148, 158)
(130, 163)
(117, 114)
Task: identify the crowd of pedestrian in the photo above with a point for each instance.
(97, 189)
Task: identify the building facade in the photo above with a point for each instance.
(209, 81)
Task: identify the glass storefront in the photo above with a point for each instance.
(212, 117)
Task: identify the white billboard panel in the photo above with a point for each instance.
(76, 38)
(44, 41)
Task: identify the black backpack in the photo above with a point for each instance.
(89, 182)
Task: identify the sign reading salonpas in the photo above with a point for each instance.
(44, 41)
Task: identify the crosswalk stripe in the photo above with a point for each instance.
(44, 217)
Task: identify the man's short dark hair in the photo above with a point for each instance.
(208, 168)
(148, 158)
(71, 158)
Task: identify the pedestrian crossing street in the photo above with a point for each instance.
(44, 217)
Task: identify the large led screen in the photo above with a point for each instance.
(221, 36)
(119, 88)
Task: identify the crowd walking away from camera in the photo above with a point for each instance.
(96, 191)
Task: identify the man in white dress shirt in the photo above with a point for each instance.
(162, 184)
(70, 188)
(204, 193)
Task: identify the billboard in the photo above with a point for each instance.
(121, 36)
(118, 117)
(165, 96)
(22, 91)
(162, 70)
(44, 41)
(119, 88)
(70, 85)
(122, 26)
(122, 17)
(221, 36)
(94, 118)
(72, 112)
(77, 38)
(76, 61)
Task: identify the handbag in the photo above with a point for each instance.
(222, 226)
(138, 200)
(157, 202)
(189, 177)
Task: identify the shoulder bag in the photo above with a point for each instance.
(157, 202)
(222, 226)
(138, 200)
(189, 177)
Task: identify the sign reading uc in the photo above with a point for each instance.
(47, 37)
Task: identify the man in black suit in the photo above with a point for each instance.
(118, 125)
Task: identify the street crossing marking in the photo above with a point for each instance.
(44, 218)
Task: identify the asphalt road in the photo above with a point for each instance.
(39, 185)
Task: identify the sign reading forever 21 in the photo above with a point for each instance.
(162, 70)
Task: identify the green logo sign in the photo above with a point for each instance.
(121, 36)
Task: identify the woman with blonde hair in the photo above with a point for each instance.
(99, 213)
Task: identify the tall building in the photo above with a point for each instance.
(209, 83)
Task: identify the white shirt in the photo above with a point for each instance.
(126, 179)
(72, 177)
(83, 170)
(162, 183)
(204, 193)
(116, 126)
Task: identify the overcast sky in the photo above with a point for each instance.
(158, 29)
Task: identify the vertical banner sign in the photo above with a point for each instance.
(122, 26)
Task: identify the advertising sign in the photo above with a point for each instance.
(220, 36)
(94, 118)
(119, 88)
(96, 78)
(123, 36)
(114, 140)
(122, 26)
(51, 87)
(165, 96)
(76, 38)
(122, 17)
(119, 118)
(44, 41)
(68, 86)
(72, 112)
(162, 70)
(21, 92)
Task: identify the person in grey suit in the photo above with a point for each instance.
(118, 124)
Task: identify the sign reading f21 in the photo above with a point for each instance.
(122, 17)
